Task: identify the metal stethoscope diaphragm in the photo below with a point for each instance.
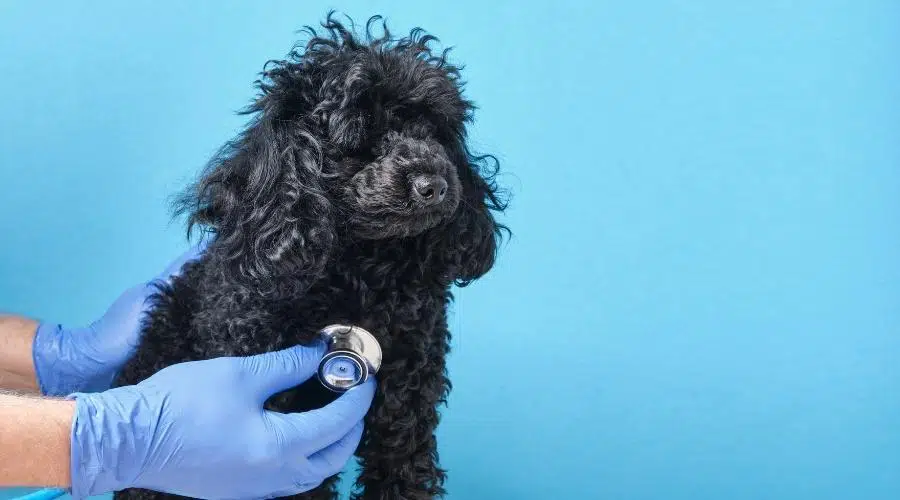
(353, 355)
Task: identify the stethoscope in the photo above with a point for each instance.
(353, 355)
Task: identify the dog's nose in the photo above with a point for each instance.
(429, 189)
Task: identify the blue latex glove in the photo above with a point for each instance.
(199, 430)
(87, 359)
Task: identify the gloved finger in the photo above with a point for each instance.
(277, 371)
(334, 458)
(315, 430)
(143, 291)
(174, 267)
(125, 313)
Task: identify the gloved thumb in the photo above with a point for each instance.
(278, 371)
(174, 268)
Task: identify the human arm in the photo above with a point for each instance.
(16, 365)
(175, 433)
(34, 441)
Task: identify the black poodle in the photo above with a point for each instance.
(350, 198)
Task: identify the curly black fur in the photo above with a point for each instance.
(317, 220)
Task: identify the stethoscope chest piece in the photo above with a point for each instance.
(352, 357)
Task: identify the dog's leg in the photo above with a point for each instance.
(398, 455)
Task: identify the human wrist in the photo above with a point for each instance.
(16, 364)
(110, 437)
(35, 441)
(58, 415)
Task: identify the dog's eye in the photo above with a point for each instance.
(420, 129)
(349, 132)
(367, 156)
(378, 150)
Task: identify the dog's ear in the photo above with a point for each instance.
(262, 197)
(475, 235)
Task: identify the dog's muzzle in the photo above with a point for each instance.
(353, 356)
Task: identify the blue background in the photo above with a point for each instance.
(702, 297)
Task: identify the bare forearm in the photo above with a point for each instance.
(16, 363)
(35, 441)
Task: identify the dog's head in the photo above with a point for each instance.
(352, 139)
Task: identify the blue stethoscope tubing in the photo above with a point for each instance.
(45, 494)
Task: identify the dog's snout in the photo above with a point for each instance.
(429, 189)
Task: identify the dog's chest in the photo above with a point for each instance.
(241, 323)
(401, 319)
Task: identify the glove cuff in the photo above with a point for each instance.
(60, 367)
(49, 361)
(110, 436)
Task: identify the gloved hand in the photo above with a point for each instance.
(87, 359)
(198, 429)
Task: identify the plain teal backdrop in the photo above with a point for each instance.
(702, 296)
